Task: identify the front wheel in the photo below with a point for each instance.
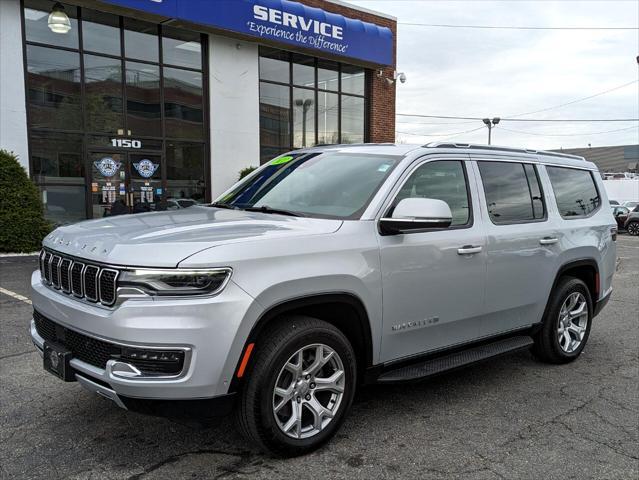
(633, 228)
(300, 388)
(566, 325)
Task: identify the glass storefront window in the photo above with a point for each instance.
(54, 88)
(185, 174)
(103, 93)
(353, 80)
(143, 99)
(303, 117)
(303, 71)
(64, 203)
(183, 100)
(181, 48)
(141, 40)
(327, 116)
(36, 18)
(274, 65)
(327, 100)
(57, 157)
(327, 75)
(275, 104)
(352, 119)
(100, 33)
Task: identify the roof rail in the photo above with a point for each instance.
(476, 146)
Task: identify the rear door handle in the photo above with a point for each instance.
(548, 240)
(468, 250)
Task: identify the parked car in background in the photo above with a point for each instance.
(632, 222)
(613, 202)
(270, 298)
(620, 214)
(629, 204)
(177, 203)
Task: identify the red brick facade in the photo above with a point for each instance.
(382, 95)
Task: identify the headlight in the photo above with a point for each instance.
(178, 282)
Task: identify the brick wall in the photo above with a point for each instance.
(382, 95)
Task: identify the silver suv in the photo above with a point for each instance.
(325, 269)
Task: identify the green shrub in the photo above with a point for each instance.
(245, 171)
(22, 225)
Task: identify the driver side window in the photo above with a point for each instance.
(442, 180)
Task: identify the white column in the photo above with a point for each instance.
(234, 110)
(13, 115)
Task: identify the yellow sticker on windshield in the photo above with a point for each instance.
(281, 160)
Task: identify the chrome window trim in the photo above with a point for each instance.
(57, 268)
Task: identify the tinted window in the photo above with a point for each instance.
(36, 24)
(352, 119)
(100, 32)
(143, 99)
(353, 79)
(181, 48)
(54, 88)
(141, 40)
(57, 157)
(327, 105)
(185, 171)
(275, 113)
(103, 93)
(303, 71)
(183, 103)
(575, 191)
(303, 117)
(274, 65)
(442, 180)
(512, 192)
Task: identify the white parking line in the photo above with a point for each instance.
(15, 295)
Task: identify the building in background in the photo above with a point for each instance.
(142, 101)
(618, 159)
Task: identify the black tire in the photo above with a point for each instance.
(255, 410)
(547, 347)
(633, 228)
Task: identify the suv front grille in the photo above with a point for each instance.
(84, 280)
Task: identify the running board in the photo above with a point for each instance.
(455, 360)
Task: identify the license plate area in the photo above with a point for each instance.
(56, 361)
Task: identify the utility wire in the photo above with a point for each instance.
(415, 115)
(509, 27)
(566, 134)
(439, 134)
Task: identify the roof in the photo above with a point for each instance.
(466, 148)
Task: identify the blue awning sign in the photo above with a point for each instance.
(281, 21)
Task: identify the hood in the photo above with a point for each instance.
(163, 239)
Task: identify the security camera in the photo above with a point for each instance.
(402, 77)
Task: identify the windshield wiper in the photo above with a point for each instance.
(223, 205)
(267, 209)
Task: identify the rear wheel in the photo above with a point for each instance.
(567, 323)
(633, 228)
(300, 388)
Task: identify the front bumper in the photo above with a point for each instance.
(211, 331)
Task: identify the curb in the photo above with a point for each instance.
(32, 254)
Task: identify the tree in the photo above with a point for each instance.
(22, 224)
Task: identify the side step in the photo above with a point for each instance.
(455, 360)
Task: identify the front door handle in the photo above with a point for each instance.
(548, 240)
(468, 250)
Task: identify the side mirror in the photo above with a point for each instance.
(417, 214)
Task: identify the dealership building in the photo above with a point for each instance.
(163, 102)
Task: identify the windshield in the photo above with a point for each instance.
(325, 185)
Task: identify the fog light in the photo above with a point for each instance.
(154, 362)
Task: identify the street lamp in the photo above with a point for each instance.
(59, 20)
(490, 124)
(306, 105)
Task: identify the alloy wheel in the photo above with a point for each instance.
(573, 321)
(308, 391)
(633, 228)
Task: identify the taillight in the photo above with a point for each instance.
(613, 233)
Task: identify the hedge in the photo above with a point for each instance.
(22, 224)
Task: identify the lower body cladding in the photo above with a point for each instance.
(149, 355)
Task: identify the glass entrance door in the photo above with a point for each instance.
(125, 183)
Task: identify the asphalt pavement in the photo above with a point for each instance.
(509, 418)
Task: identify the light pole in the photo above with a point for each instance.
(490, 124)
(306, 105)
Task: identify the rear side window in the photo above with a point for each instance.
(575, 191)
(513, 192)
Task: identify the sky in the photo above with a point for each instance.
(502, 72)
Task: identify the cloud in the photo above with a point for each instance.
(470, 72)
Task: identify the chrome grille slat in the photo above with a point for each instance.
(87, 281)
